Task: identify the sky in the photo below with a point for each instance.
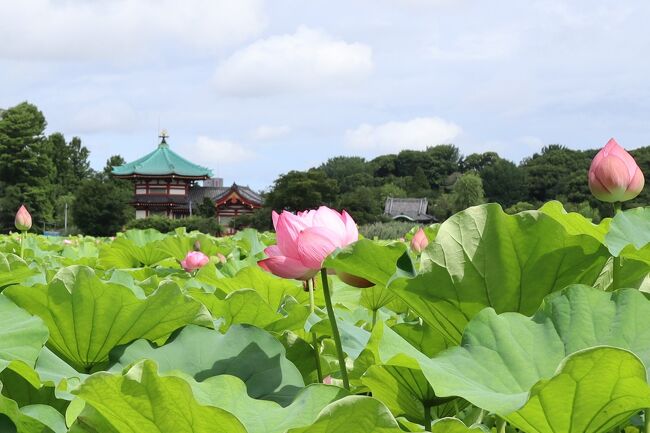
(255, 88)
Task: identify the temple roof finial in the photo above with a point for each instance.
(163, 136)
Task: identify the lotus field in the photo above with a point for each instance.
(488, 322)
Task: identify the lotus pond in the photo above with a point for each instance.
(534, 322)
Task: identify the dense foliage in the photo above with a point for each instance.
(449, 180)
(532, 322)
(48, 175)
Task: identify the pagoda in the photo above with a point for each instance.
(162, 181)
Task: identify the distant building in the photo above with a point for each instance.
(409, 209)
(166, 184)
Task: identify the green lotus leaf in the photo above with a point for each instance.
(134, 249)
(575, 223)
(143, 401)
(246, 352)
(30, 419)
(87, 317)
(454, 425)
(483, 257)
(405, 391)
(602, 386)
(630, 227)
(271, 289)
(14, 270)
(260, 416)
(505, 359)
(21, 335)
(373, 261)
(353, 414)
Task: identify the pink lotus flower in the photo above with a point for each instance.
(23, 220)
(67, 242)
(614, 176)
(327, 380)
(304, 241)
(194, 260)
(419, 241)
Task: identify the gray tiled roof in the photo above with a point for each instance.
(414, 209)
(198, 193)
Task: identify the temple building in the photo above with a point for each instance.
(166, 184)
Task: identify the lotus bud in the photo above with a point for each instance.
(197, 245)
(23, 219)
(221, 258)
(419, 241)
(194, 260)
(614, 175)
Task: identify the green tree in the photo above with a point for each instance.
(26, 167)
(503, 182)
(206, 208)
(300, 190)
(102, 206)
(467, 191)
(113, 161)
(364, 204)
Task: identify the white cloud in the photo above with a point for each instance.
(118, 29)
(305, 60)
(483, 46)
(269, 132)
(215, 152)
(416, 134)
(112, 116)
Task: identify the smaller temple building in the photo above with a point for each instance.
(408, 209)
(166, 184)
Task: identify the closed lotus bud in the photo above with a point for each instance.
(197, 245)
(221, 258)
(419, 241)
(614, 175)
(23, 219)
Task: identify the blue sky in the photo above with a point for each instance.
(254, 88)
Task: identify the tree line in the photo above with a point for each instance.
(48, 173)
(450, 181)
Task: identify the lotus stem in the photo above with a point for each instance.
(314, 337)
(616, 263)
(427, 417)
(335, 329)
(646, 421)
(501, 425)
(22, 245)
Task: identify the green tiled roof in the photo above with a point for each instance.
(162, 161)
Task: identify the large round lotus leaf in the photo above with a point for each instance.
(134, 249)
(593, 391)
(144, 402)
(21, 335)
(249, 353)
(354, 414)
(87, 317)
(261, 416)
(483, 257)
(506, 359)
